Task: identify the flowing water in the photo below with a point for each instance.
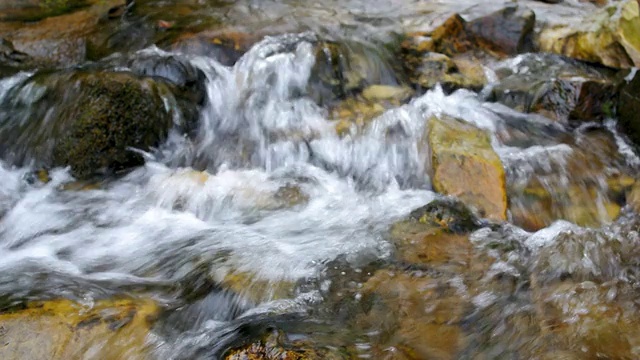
(267, 191)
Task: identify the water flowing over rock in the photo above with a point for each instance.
(111, 112)
(315, 180)
(558, 88)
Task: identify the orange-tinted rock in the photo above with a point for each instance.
(462, 163)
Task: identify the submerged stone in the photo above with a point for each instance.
(275, 346)
(62, 329)
(462, 163)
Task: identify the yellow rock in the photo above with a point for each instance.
(64, 330)
(256, 289)
(610, 37)
(462, 163)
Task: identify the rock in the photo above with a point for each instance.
(379, 93)
(462, 163)
(60, 40)
(110, 113)
(629, 110)
(556, 87)
(428, 69)
(633, 198)
(449, 214)
(415, 314)
(257, 290)
(610, 37)
(62, 329)
(275, 346)
(576, 186)
(34, 10)
(505, 32)
(345, 69)
(595, 321)
(226, 46)
(357, 111)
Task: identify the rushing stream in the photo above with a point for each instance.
(267, 192)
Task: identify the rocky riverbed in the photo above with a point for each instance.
(353, 179)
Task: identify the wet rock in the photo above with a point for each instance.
(585, 185)
(344, 69)
(633, 197)
(462, 163)
(629, 110)
(609, 37)
(414, 314)
(558, 88)
(428, 69)
(60, 40)
(356, 112)
(257, 290)
(275, 346)
(449, 214)
(592, 320)
(62, 329)
(226, 46)
(109, 113)
(505, 32)
(33, 10)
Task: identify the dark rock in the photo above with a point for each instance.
(224, 46)
(88, 121)
(559, 88)
(629, 110)
(448, 213)
(506, 32)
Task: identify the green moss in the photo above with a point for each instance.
(114, 113)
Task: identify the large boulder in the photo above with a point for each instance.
(62, 329)
(556, 87)
(505, 32)
(86, 120)
(462, 163)
(610, 37)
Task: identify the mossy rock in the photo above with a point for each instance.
(62, 329)
(88, 121)
(462, 163)
(610, 37)
(450, 214)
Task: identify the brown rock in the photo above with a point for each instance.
(226, 46)
(462, 163)
(59, 40)
(505, 32)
